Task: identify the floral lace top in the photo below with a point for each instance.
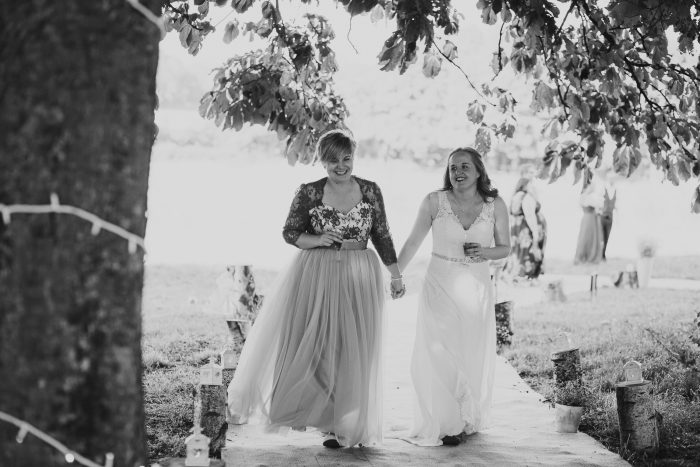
(367, 219)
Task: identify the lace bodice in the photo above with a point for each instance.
(353, 225)
(449, 235)
(366, 220)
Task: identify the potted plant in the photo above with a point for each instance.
(647, 251)
(569, 402)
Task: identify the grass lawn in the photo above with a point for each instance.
(609, 332)
(184, 326)
(676, 267)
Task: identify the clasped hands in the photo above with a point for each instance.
(398, 288)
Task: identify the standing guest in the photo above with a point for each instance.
(589, 247)
(454, 357)
(528, 230)
(313, 355)
(608, 207)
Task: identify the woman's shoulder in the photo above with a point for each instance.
(497, 202)
(312, 190)
(366, 184)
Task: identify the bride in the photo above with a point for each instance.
(455, 348)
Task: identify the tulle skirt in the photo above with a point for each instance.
(313, 356)
(454, 356)
(589, 247)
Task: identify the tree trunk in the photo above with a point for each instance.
(210, 413)
(567, 367)
(77, 99)
(637, 417)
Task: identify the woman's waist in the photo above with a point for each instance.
(456, 257)
(347, 244)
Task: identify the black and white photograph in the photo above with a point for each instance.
(349, 233)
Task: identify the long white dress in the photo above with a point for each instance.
(455, 348)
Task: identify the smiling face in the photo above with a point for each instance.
(339, 168)
(462, 170)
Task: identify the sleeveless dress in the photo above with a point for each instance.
(455, 348)
(313, 358)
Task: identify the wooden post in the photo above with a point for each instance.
(567, 367)
(594, 286)
(635, 411)
(210, 413)
(504, 332)
(637, 417)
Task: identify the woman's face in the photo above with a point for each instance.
(339, 169)
(463, 172)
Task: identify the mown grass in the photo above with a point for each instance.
(183, 327)
(654, 327)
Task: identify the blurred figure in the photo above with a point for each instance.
(528, 229)
(609, 200)
(589, 248)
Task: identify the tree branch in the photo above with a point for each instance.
(432, 42)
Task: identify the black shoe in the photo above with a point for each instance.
(332, 443)
(451, 440)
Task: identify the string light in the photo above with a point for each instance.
(68, 455)
(55, 206)
(148, 14)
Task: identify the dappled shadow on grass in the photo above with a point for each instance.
(609, 332)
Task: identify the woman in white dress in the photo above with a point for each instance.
(452, 367)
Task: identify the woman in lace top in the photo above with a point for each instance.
(313, 356)
(453, 360)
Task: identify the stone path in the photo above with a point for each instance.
(522, 433)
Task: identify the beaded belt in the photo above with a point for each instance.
(348, 245)
(464, 260)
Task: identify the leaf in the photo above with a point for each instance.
(551, 129)
(391, 53)
(204, 104)
(542, 97)
(489, 16)
(695, 202)
(475, 112)
(431, 64)
(377, 13)
(241, 5)
(450, 50)
(635, 159)
(496, 64)
(296, 146)
(483, 140)
(203, 8)
(683, 168)
(185, 34)
(231, 31)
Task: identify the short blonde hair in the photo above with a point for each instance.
(335, 144)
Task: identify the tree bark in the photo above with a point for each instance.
(77, 100)
(210, 413)
(567, 367)
(637, 417)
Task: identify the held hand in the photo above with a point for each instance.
(398, 289)
(473, 250)
(328, 238)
